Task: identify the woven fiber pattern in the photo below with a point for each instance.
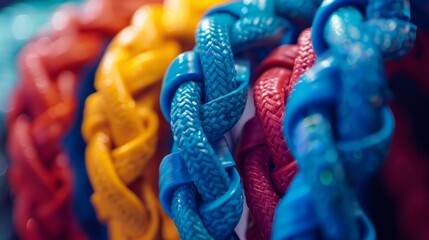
(43, 107)
(223, 32)
(121, 122)
(304, 60)
(212, 179)
(269, 168)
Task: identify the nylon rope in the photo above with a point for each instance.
(121, 123)
(42, 110)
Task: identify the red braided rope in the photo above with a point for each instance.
(268, 166)
(43, 107)
(270, 93)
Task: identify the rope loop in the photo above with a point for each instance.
(337, 123)
(215, 75)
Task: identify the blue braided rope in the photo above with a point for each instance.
(186, 211)
(351, 102)
(210, 178)
(221, 37)
(215, 52)
(207, 172)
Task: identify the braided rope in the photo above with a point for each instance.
(332, 168)
(198, 130)
(269, 168)
(42, 110)
(121, 123)
(200, 163)
(38, 14)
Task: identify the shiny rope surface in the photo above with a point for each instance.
(43, 107)
(346, 88)
(121, 123)
(268, 165)
(216, 75)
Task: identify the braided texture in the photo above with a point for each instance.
(344, 89)
(215, 51)
(304, 59)
(198, 130)
(208, 167)
(37, 13)
(121, 123)
(42, 110)
(268, 165)
(210, 75)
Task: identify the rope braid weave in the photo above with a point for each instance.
(263, 144)
(199, 186)
(121, 123)
(335, 160)
(42, 110)
(38, 14)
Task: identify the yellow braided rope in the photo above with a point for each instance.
(121, 120)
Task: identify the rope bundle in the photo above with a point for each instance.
(121, 123)
(215, 74)
(42, 110)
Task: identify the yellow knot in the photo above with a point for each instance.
(121, 123)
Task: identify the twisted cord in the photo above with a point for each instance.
(269, 94)
(329, 169)
(224, 34)
(261, 195)
(264, 185)
(228, 30)
(214, 180)
(121, 123)
(42, 107)
(37, 14)
(215, 51)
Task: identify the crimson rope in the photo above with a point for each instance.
(43, 107)
(268, 165)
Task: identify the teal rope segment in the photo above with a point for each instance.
(208, 169)
(209, 176)
(199, 185)
(186, 211)
(216, 56)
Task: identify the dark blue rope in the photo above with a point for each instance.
(337, 124)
